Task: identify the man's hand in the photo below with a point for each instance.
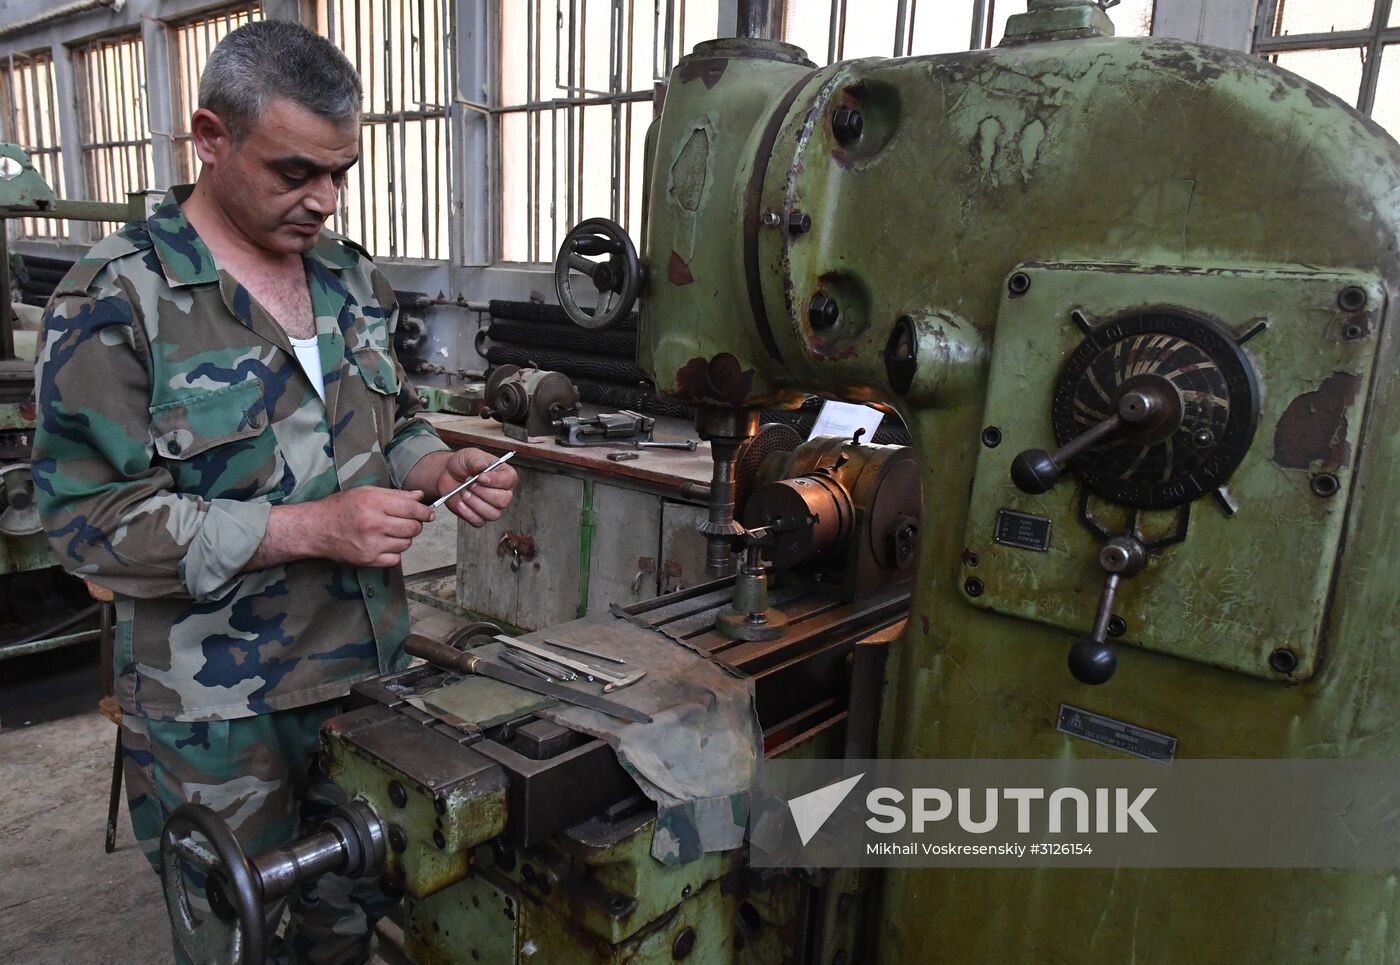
(364, 526)
(370, 526)
(485, 500)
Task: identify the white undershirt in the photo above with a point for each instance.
(309, 355)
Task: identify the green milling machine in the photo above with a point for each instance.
(1132, 299)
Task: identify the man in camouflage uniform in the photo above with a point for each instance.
(247, 504)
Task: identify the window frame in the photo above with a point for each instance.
(46, 157)
(1371, 40)
(568, 131)
(184, 162)
(141, 177)
(443, 249)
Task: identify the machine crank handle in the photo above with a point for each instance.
(350, 842)
(616, 282)
(1092, 660)
(1036, 471)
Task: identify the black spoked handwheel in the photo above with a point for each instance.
(234, 933)
(617, 279)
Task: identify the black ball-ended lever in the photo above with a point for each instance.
(1036, 471)
(1092, 660)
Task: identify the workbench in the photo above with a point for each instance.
(582, 531)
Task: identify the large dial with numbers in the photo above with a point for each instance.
(1211, 401)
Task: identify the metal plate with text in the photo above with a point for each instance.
(1116, 734)
(1023, 530)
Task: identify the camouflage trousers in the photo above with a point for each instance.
(261, 775)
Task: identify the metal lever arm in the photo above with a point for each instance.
(1092, 660)
(1036, 471)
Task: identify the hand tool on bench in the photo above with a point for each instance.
(610, 680)
(441, 655)
(555, 670)
(575, 648)
(514, 660)
(687, 444)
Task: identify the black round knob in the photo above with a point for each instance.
(603, 277)
(1092, 662)
(1034, 472)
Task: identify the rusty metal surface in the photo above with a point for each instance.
(437, 797)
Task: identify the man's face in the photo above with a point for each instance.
(281, 182)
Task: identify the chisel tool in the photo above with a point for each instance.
(441, 655)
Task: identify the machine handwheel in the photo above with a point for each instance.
(234, 934)
(617, 279)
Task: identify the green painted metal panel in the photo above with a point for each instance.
(1203, 599)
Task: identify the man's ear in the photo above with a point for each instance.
(212, 141)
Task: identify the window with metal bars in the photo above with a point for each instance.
(32, 123)
(113, 118)
(397, 199)
(574, 100)
(832, 30)
(191, 42)
(1349, 47)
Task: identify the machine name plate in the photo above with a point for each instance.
(1022, 530)
(1116, 734)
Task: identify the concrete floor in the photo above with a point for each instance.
(63, 901)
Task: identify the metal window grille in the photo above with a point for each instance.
(832, 30)
(573, 103)
(1350, 47)
(397, 199)
(191, 43)
(32, 123)
(114, 119)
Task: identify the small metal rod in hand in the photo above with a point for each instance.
(495, 465)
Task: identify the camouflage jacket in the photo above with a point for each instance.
(173, 415)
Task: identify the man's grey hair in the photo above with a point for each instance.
(268, 59)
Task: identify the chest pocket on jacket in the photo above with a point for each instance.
(216, 443)
(377, 370)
